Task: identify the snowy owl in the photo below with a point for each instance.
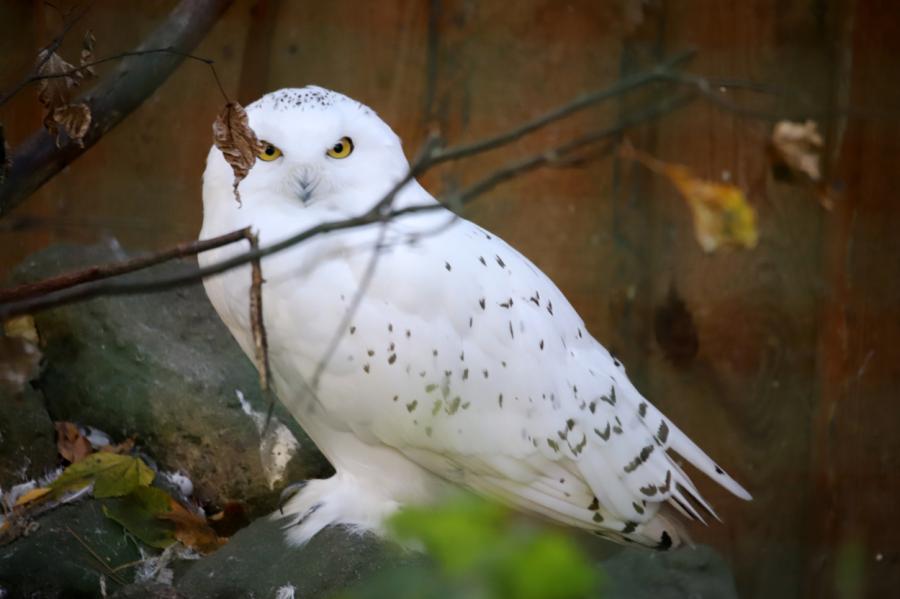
(462, 364)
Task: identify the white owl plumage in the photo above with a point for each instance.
(462, 364)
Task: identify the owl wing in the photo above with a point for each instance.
(476, 367)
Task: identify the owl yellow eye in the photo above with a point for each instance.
(342, 149)
(269, 152)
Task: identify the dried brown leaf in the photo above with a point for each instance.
(55, 94)
(237, 142)
(87, 54)
(799, 147)
(191, 529)
(70, 443)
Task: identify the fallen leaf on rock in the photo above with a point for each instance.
(799, 146)
(33, 495)
(70, 443)
(722, 215)
(20, 357)
(191, 529)
(122, 448)
(56, 94)
(22, 327)
(113, 475)
(237, 142)
(139, 513)
(230, 519)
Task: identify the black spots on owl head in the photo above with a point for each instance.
(482, 303)
(352, 329)
(500, 400)
(642, 409)
(411, 406)
(307, 98)
(392, 358)
(507, 304)
(447, 266)
(482, 260)
(500, 261)
(541, 345)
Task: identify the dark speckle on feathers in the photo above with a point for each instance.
(665, 541)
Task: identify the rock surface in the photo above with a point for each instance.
(163, 369)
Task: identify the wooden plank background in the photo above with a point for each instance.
(779, 361)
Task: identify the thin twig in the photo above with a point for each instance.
(95, 273)
(109, 571)
(170, 50)
(257, 325)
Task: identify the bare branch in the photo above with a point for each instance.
(37, 159)
(96, 273)
(374, 215)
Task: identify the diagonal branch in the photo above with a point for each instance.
(37, 159)
(375, 215)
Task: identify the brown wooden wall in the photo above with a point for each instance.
(779, 361)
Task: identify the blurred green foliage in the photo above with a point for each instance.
(479, 550)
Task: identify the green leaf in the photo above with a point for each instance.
(139, 511)
(113, 475)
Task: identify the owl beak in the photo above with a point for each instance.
(306, 185)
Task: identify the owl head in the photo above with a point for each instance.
(319, 148)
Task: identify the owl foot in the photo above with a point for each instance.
(339, 500)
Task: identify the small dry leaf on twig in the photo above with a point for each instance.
(237, 142)
(70, 443)
(722, 215)
(798, 148)
(87, 52)
(56, 93)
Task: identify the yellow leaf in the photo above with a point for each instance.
(32, 495)
(722, 215)
(22, 327)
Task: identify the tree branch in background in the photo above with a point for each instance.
(37, 159)
(427, 159)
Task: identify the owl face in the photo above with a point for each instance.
(319, 148)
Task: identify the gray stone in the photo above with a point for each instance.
(52, 562)
(256, 562)
(27, 437)
(162, 368)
